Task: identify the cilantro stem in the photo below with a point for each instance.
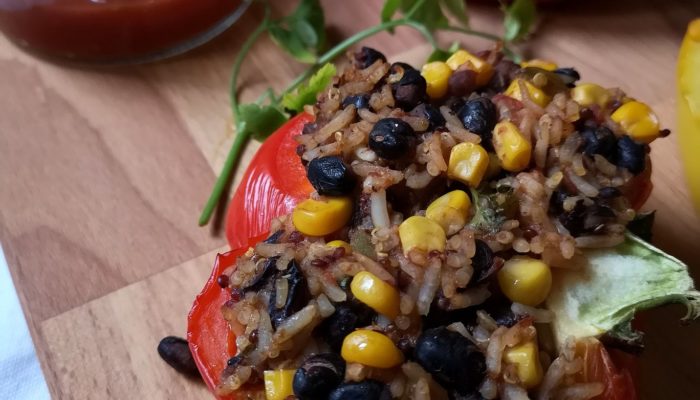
(247, 45)
(241, 138)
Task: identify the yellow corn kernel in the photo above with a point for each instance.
(379, 295)
(525, 280)
(321, 217)
(340, 243)
(526, 359)
(450, 210)
(638, 120)
(436, 75)
(538, 63)
(421, 233)
(587, 94)
(370, 348)
(512, 148)
(468, 163)
(278, 384)
(536, 94)
(484, 70)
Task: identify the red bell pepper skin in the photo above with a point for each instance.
(211, 341)
(616, 376)
(272, 185)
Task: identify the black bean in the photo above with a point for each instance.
(499, 309)
(409, 91)
(599, 140)
(482, 261)
(462, 82)
(330, 176)
(318, 375)
(479, 116)
(432, 114)
(556, 202)
(503, 73)
(454, 103)
(359, 101)
(308, 128)
(176, 352)
(366, 390)
(575, 220)
(348, 315)
(454, 395)
(269, 269)
(234, 361)
(392, 138)
(297, 294)
(367, 56)
(400, 68)
(461, 368)
(609, 192)
(631, 155)
(275, 237)
(568, 75)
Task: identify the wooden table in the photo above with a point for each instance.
(103, 173)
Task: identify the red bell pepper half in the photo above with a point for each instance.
(273, 184)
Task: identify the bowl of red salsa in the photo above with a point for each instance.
(115, 31)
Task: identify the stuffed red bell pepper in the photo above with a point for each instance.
(461, 235)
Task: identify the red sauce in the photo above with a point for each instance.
(111, 30)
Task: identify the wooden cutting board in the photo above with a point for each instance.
(103, 173)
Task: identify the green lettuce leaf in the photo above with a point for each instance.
(612, 285)
(306, 94)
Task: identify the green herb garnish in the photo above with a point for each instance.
(302, 35)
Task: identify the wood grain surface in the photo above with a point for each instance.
(103, 173)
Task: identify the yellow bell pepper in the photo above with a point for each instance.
(688, 107)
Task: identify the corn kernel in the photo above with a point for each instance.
(278, 384)
(379, 295)
(542, 64)
(370, 348)
(450, 210)
(484, 70)
(421, 233)
(525, 280)
(340, 243)
(526, 359)
(436, 75)
(587, 94)
(512, 148)
(468, 163)
(638, 120)
(321, 217)
(536, 94)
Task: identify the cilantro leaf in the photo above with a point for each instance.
(519, 19)
(428, 14)
(259, 122)
(301, 34)
(306, 94)
(389, 9)
(458, 9)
